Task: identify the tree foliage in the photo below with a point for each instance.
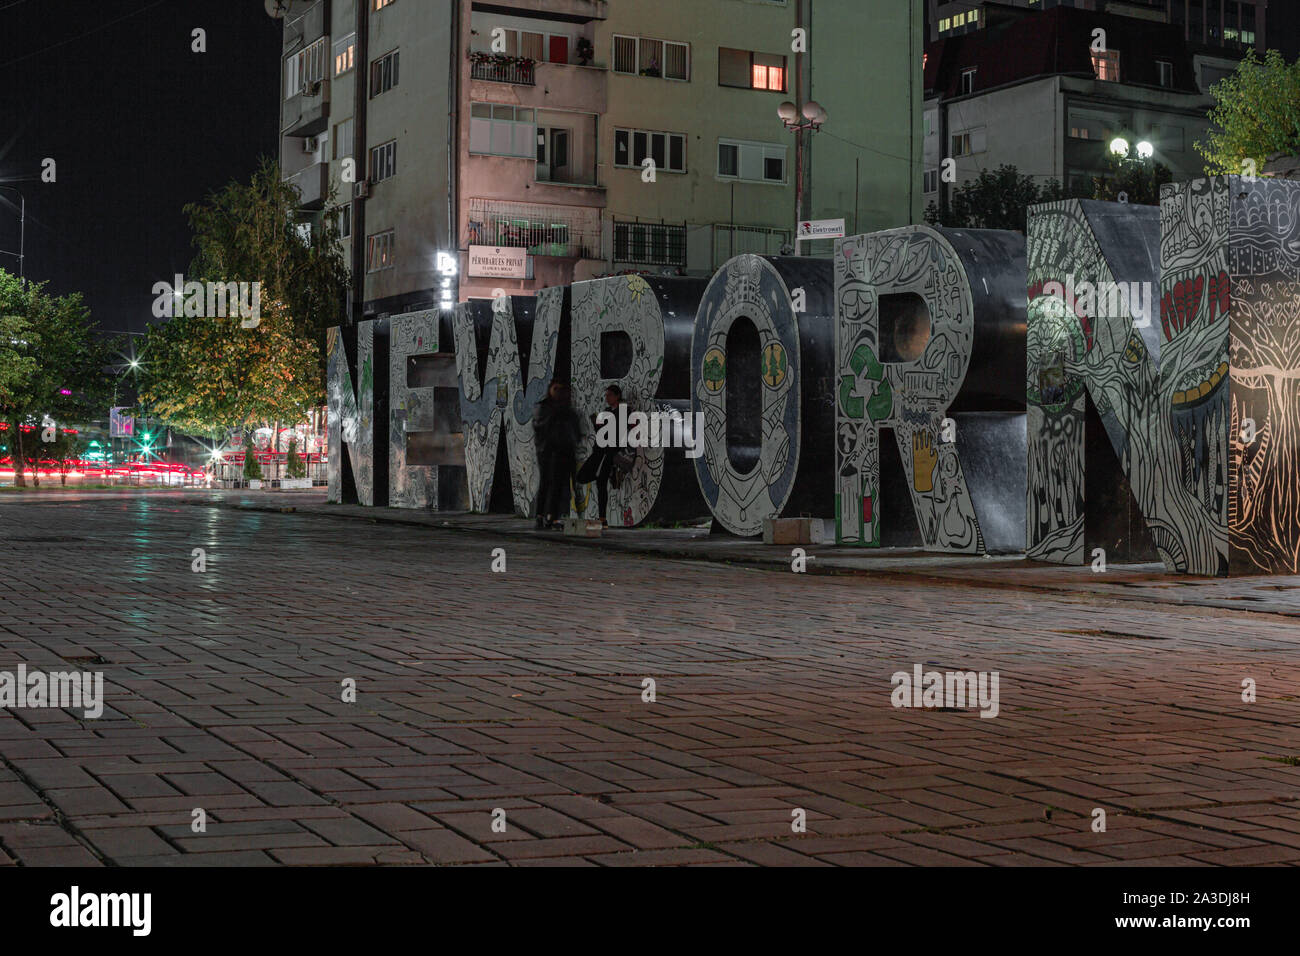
(209, 375)
(1139, 181)
(53, 362)
(997, 199)
(1256, 114)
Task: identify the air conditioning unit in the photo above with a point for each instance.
(363, 189)
(310, 144)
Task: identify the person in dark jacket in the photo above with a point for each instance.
(559, 430)
(600, 464)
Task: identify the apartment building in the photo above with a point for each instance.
(1029, 90)
(471, 147)
(1234, 24)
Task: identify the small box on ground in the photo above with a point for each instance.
(582, 527)
(793, 531)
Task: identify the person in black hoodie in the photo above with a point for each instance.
(559, 430)
(600, 465)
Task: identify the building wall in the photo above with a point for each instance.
(415, 113)
(861, 168)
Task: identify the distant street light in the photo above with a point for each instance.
(1145, 150)
(1119, 146)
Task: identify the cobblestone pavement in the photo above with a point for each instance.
(522, 691)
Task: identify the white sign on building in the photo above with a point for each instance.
(498, 262)
(821, 229)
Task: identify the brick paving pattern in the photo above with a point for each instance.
(522, 692)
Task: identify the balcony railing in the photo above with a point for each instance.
(541, 229)
(503, 69)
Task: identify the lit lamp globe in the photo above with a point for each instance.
(1145, 150)
(1119, 146)
(813, 112)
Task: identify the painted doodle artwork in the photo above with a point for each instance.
(1159, 415)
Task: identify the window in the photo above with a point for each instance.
(383, 161)
(633, 146)
(1169, 138)
(305, 69)
(649, 243)
(380, 4)
(1079, 132)
(751, 162)
(345, 52)
(644, 56)
(497, 130)
(968, 142)
(930, 124)
(1165, 71)
(967, 81)
(945, 24)
(1105, 64)
(379, 251)
(345, 221)
(542, 47)
(383, 74)
(751, 71)
(931, 184)
(341, 139)
(959, 20)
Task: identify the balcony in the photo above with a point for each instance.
(313, 185)
(306, 27)
(578, 10)
(544, 230)
(307, 112)
(500, 68)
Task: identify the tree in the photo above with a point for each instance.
(1256, 114)
(66, 448)
(994, 200)
(295, 467)
(1139, 180)
(209, 375)
(52, 364)
(252, 467)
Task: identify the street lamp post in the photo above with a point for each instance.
(22, 232)
(813, 116)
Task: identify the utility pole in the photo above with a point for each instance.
(22, 233)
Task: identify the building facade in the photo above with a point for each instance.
(471, 148)
(1234, 24)
(1029, 90)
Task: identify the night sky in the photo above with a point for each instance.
(138, 124)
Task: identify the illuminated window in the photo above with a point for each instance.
(1105, 64)
(345, 52)
(945, 24)
(753, 71)
(380, 4)
(959, 20)
(380, 251)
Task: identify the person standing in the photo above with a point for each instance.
(600, 465)
(559, 430)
